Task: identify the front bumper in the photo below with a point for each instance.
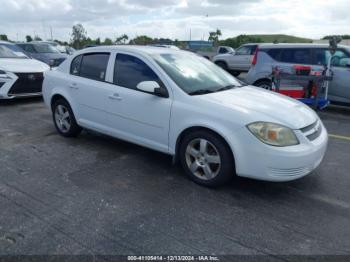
(21, 85)
(257, 160)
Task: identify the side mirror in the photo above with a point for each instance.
(152, 87)
(52, 63)
(233, 52)
(348, 64)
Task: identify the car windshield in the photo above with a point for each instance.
(348, 50)
(5, 52)
(45, 48)
(194, 74)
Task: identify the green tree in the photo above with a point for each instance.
(240, 40)
(37, 38)
(142, 40)
(79, 36)
(4, 38)
(29, 38)
(108, 41)
(98, 41)
(214, 36)
(330, 36)
(122, 39)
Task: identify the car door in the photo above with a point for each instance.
(134, 115)
(89, 89)
(242, 59)
(339, 88)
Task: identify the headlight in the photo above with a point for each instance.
(273, 134)
(4, 75)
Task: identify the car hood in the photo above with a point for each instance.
(19, 65)
(269, 105)
(55, 55)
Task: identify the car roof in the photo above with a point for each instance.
(32, 43)
(6, 42)
(149, 50)
(294, 45)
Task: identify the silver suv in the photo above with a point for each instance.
(316, 55)
(236, 61)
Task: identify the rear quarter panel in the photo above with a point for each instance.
(55, 83)
(262, 69)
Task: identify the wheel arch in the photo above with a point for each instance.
(187, 130)
(262, 80)
(56, 97)
(220, 61)
(63, 95)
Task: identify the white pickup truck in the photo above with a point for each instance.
(210, 54)
(237, 61)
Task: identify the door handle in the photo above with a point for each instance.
(74, 86)
(115, 97)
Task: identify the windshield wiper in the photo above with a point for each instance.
(200, 92)
(225, 88)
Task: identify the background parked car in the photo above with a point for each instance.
(225, 50)
(237, 61)
(286, 55)
(43, 52)
(63, 49)
(16, 49)
(166, 46)
(20, 76)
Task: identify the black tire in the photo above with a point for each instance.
(225, 172)
(265, 84)
(235, 73)
(74, 129)
(223, 65)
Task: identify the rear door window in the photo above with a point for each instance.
(320, 57)
(75, 66)
(274, 53)
(94, 66)
(244, 50)
(296, 56)
(29, 48)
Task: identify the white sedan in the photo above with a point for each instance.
(184, 105)
(20, 76)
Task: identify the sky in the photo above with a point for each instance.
(173, 18)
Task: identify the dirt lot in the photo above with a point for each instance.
(97, 195)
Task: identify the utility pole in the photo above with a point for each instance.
(51, 33)
(190, 34)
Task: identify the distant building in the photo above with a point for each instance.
(198, 45)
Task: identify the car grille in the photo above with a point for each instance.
(289, 172)
(313, 131)
(27, 83)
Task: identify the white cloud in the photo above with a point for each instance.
(174, 18)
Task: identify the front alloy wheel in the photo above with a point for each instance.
(206, 158)
(203, 159)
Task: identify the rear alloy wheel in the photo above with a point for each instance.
(64, 119)
(235, 73)
(206, 159)
(223, 65)
(265, 84)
